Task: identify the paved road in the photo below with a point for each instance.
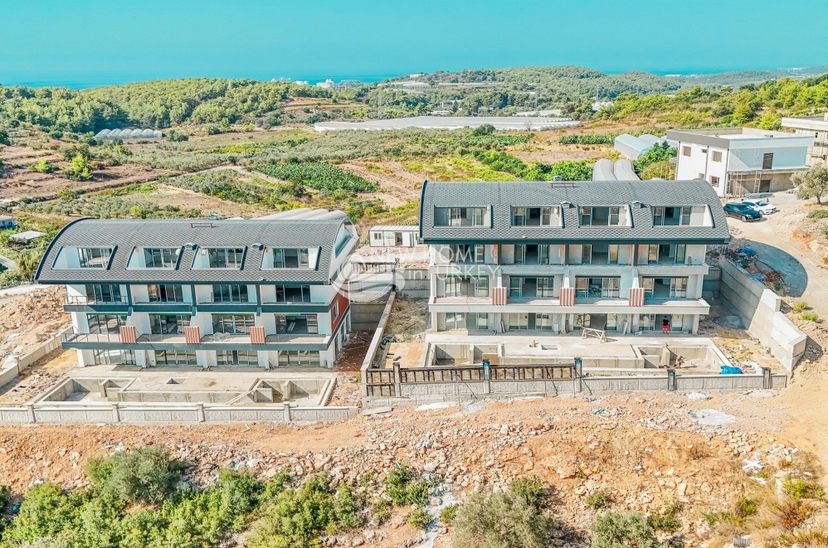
(8, 263)
(806, 279)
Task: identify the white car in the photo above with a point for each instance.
(761, 206)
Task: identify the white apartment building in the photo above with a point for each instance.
(262, 293)
(815, 126)
(559, 257)
(739, 161)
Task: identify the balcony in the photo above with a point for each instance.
(82, 303)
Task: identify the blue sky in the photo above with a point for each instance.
(96, 41)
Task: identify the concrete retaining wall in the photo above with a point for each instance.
(23, 362)
(374, 347)
(422, 393)
(758, 307)
(413, 283)
(120, 413)
(711, 285)
(366, 316)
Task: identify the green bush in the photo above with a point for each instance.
(659, 153)
(45, 512)
(613, 530)
(406, 487)
(296, 517)
(799, 306)
(589, 139)
(500, 520)
(532, 489)
(485, 129)
(319, 175)
(818, 214)
(41, 166)
(79, 169)
(803, 489)
(809, 316)
(418, 518)
(147, 474)
(448, 514)
(666, 519)
(381, 510)
(598, 499)
(745, 507)
(176, 136)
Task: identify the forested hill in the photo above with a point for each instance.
(156, 104)
(560, 83)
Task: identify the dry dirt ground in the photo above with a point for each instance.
(31, 318)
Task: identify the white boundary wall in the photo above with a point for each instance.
(25, 361)
(759, 309)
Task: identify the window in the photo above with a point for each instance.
(237, 324)
(165, 293)
(376, 236)
(175, 357)
(518, 321)
(461, 216)
(226, 257)
(160, 257)
(229, 293)
(293, 294)
(685, 151)
(536, 216)
(335, 312)
(600, 254)
(544, 322)
(600, 216)
(467, 287)
(665, 288)
(113, 357)
(717, 156)
(479, 320)
(237, 357)
(597, 287)
(94, 257)
(104, 293)
(299, 357)
(662, 254)
(286, 257)
(582, 321)
(455, 320)
(767, 160)
(168, 325)
(105, 323)
(529, 288)
(297, 324)
(672, 216)
(714, 181)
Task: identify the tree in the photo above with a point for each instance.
(662, 170)
(79, 170)
(812, 183)
(485, 129)
(4, 137)
(659, 153)
(28, 262)
(510, 519)
(147, 474)
(41, 166)
(630, 530)
(770, 120)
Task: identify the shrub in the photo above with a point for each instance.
(176, 136)
(745, 507)
(45, 512)
(147, 474)
(810, 316)
(500, 520)
(802, 489)
(448, 514)
(319, 175)
(418, 518)
(381, 509)
(41, 166)
(799, 306)
(818, 214)
(406, 487)
(613, 530)
(589, 139)
(598, 499)
(530, 488)
(790, 512)
(79, 169)
(485, 129)
(666, 519)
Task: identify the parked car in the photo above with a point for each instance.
(761, 206)
(742, 211)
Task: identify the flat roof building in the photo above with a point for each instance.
(740, 161)
(623, 256)
(260, 292)
(815, 126)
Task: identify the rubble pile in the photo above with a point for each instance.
(31, 318)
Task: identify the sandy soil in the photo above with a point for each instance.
(31, 318)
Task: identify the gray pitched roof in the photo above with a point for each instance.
(504, 195)
(125, 235)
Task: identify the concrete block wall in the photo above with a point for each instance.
(25, 361)
(759, 309)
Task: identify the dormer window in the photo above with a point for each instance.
(94, 257)
(604, 216)
(536, 216)
(290, 257)
(697, 215)
(154, 257)
(219, 257)
(462, 216)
